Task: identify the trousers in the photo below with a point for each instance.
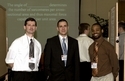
(108, 77)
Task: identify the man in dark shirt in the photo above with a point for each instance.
(106, 64)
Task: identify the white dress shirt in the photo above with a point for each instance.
(84, 42)
(18, 54)
(66, 41)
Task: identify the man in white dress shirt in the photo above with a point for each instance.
(18, 55)
(84, 42)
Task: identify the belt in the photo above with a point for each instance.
(25, 71)
(83, 61)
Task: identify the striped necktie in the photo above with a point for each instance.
(64, 49)
(95, 60)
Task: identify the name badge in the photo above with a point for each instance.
(94, 65)
(31, 60)
(64, 57)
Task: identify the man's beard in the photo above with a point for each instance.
(96, 37)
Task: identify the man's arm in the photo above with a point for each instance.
(114, 62)
(47, 56)
(77, 63)
(11, 54)
(10, 65)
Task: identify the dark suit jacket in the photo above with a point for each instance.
(54, 66)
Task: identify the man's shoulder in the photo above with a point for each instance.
(122, 36)
(18, 39)
(84, 38)
(91, 44)
(89, 39)
(71, 38)
(107, 44)
(37, 41)
(53, 39)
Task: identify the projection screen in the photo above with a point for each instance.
(46, 12)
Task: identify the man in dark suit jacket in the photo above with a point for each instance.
(54, 58)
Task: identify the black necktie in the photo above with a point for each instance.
(31, 54)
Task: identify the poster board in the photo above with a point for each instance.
(112, 25)
(113, 29)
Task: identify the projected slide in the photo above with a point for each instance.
(46, 12)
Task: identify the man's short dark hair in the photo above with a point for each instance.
(82, 27)
(122, 24)
(61, 20)
(30, 19)
(98, 25)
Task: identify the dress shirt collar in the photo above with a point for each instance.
(61, 37)
(28, 38)
(82, 35)
(66, 41)
(100, 40)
